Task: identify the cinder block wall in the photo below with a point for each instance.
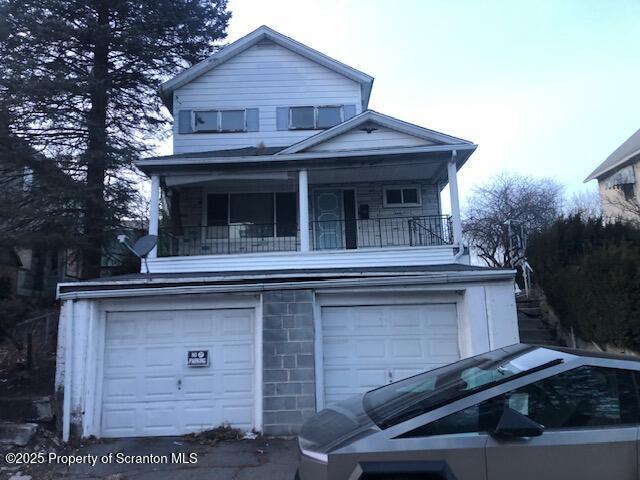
(288, 361)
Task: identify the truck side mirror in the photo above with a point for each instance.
(513, 424)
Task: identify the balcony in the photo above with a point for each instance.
(339, 234)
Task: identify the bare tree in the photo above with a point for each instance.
(532, 202)
(585, 203)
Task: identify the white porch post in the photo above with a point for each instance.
(154, 211)
(452, 172)
(303, 209)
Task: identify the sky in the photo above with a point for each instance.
(546, 88)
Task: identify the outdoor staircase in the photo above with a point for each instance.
(534, 327)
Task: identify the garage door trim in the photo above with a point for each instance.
(370, 298)
(93, 423)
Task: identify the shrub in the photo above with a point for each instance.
(590, 273)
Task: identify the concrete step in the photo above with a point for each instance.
(26, 409)
(19, 434)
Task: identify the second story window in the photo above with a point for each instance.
(315, 118)
(220, 121)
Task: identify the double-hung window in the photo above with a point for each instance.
(220, 121)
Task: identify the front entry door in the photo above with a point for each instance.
(328, 219)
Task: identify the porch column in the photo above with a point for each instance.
(154, 211)
(303, 209)
(452, 172)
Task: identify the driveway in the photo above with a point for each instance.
(261, 458)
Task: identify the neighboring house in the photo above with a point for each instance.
(304, 258)
(619, 182)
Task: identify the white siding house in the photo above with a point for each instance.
(303, 257)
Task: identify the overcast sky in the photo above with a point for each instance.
(544, 87)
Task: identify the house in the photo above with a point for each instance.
(303, 257)
(618, 182)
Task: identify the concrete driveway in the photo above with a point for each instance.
(262, 458)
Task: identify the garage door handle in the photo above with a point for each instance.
(179, 384)
(390, 375)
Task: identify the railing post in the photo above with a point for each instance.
(303, 207)
(154, 211)
(452, 172)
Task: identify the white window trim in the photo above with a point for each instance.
(403, 204)
(315, 116)
(194, 125)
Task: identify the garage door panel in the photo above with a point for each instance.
(407, 348)
(159, 357)
(235, 383)
(163, 329)
(238, 355)
(370, 348)
(160, 387)
(119, 388)
(148, 389)
(366, 346)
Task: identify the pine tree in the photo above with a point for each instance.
(79, 80)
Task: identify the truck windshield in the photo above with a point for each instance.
(408, 398)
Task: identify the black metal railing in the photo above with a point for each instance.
(413, 231)
(229, 239)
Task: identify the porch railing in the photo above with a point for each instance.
(410, 231)
(413, 231)
(229, 239)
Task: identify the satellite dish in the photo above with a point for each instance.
(142, 247)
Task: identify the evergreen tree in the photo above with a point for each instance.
(79, 80)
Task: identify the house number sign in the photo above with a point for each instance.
(198, 358)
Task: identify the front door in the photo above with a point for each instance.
(328, 219)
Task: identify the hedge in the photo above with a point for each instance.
(590, 274)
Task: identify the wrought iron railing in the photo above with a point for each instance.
(413, 231)
(410, 231)
(229, 239)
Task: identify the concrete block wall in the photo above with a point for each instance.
(288, 361)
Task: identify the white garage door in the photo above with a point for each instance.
(368, 346)
(149, 390)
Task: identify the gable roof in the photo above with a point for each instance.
(625, 152)
(251, 39)
(373, 117)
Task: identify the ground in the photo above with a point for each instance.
(262, 458)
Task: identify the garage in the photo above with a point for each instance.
(148, 387)
(366, 346)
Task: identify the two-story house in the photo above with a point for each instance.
(303, 257)
(619, 182)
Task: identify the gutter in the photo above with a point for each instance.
(395, 280)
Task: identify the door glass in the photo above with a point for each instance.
(583, 397)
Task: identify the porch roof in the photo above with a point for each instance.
(268, 159)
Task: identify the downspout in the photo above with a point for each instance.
(68, 373)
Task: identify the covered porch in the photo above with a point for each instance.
(363, 204)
